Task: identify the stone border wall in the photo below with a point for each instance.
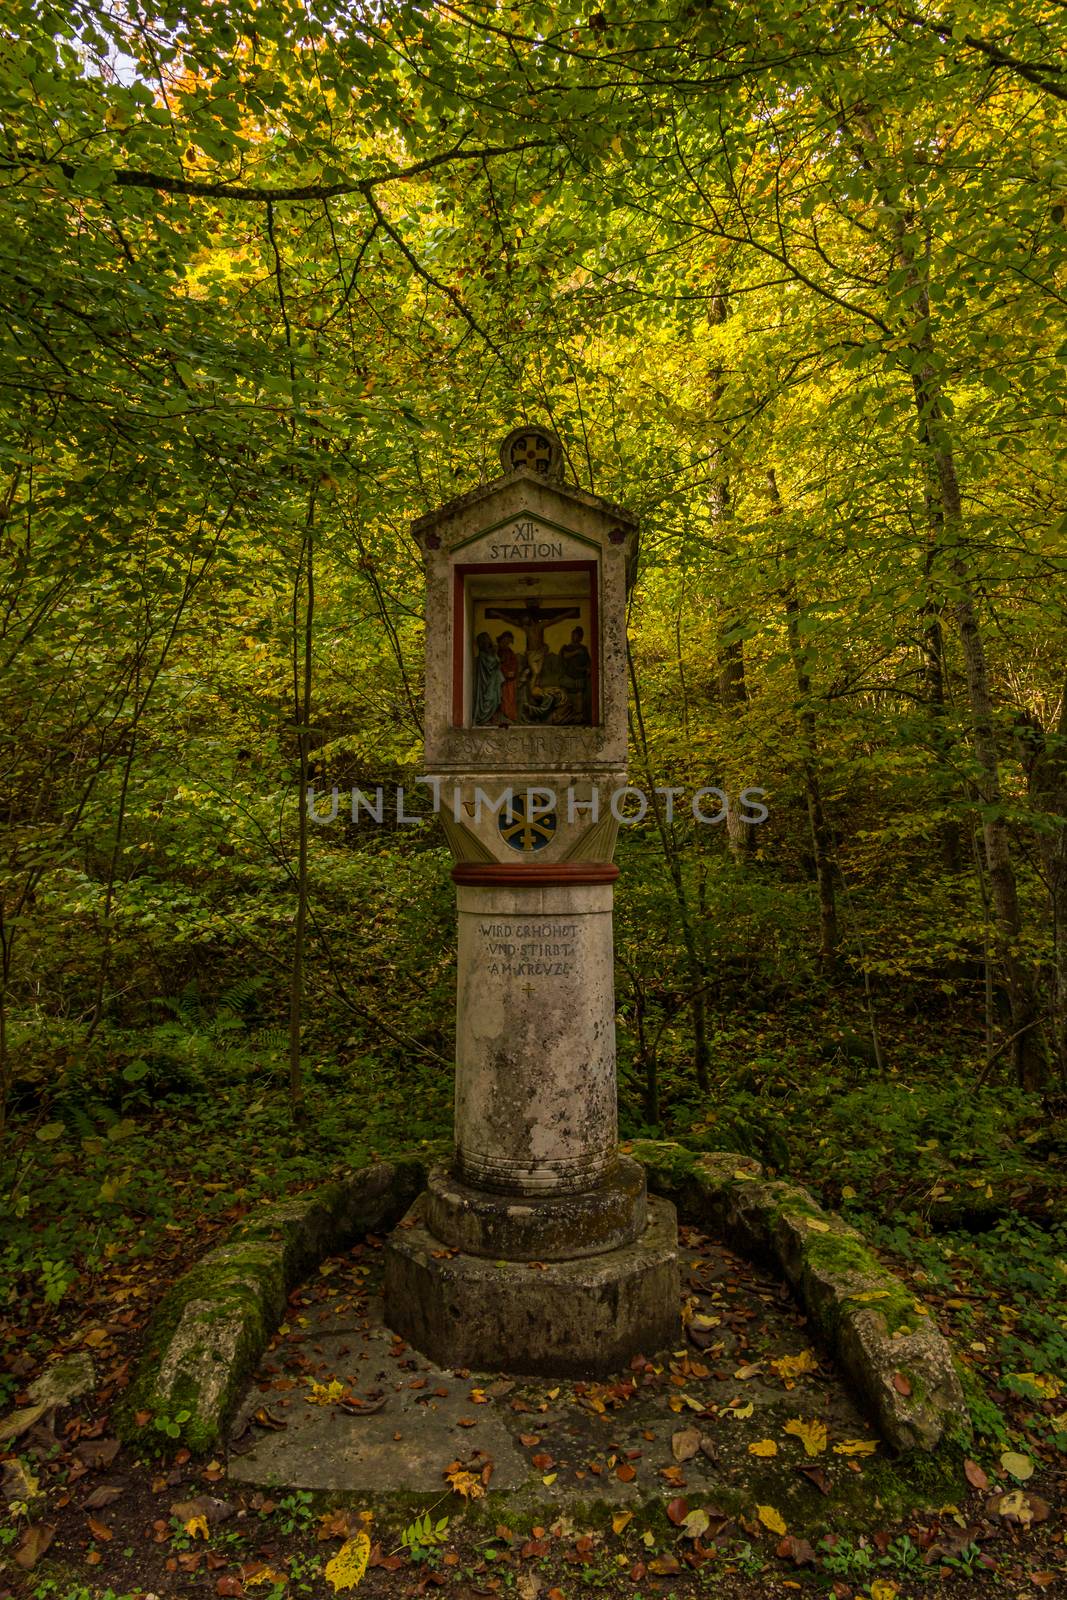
(212, 1326)
(883, 1337)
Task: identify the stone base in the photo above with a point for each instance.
(581, 1318)
(550, 1228)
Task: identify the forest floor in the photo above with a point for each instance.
(961, 1191)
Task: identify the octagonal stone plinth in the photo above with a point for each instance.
(582, 1318)
(561, 1227)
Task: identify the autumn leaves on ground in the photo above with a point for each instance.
(786, 280)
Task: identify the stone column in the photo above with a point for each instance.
(537, 1249)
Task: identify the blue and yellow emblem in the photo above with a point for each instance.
(526, 833)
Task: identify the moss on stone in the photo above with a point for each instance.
(212, 1326)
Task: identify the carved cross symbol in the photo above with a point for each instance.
(527, 988)
(533, 451)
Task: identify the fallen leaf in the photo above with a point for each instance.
(696, 1524)
(796, 1366)
(902, 1385)
(974, 1475)
(748, 1371)
(677, 1511)
(818, 1477)
(812, 1435)
(620, 1520)
(1021, 1467)
(33, 1544)
(685, 1444)
(663, 1566)
(345, 1570)
(100, 1530)
(196, 1527)
(856, 1447)
(741, 1412)
(798, 1551)
(626, 1472)
(763, 1447)
(266, 1575)
(884, 1589)
(104, 1496)
(771, 1519)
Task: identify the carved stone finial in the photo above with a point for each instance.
(534, 448)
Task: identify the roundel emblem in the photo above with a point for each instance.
(536, 449)
(526, 833)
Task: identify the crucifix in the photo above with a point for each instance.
(533, 619)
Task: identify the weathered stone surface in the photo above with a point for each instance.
(877, 1328)
(64, 1380)
(212, 1325)
(537, 1228)
(535, 1038)
(880, 1364)
(563, 1318)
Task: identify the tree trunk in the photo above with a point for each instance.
(821, 837)
(302, 643)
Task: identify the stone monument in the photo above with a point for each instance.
(537, 1250)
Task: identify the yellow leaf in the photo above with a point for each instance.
(763, 1447)
(1047, 1387)
(743, 1411)
(748, 1371)
(848, 1192)
(464, 1483)
(868, 1296)
(856, 1447)
(884, 1589)
(745, 1177)
(771, 1519)
(196, 1526)
(817, 1225)
(263, 1576)
(346, 1569)
(794, 1366)
(619, 1520)
(812, 1435)
(324, 1394)
(1020, 1466)
(549, 1477)
(479, 1397)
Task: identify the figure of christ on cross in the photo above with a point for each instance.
(534, 618)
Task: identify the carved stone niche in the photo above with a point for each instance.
(528, 574)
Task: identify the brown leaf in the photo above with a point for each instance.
(677, 1511)
(901, 1384)
(543, 1461)
(33, 1544)
(817, 1476)
(685, 1444)
(529, 1439)
(229, 1585)
(104, 1496)
(626, 1472)
(798, 1551)
(974, 1475)
(665, 1566)
(100, 1530)
(97, 1452)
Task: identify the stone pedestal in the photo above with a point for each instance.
(556, 1319)
(537, 1250)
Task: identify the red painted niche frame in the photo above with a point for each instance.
(470, 569)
